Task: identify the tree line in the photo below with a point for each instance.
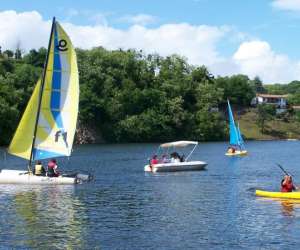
(130, 96)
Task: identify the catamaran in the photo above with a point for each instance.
(48, 125)
(176, 162)
(237, 145)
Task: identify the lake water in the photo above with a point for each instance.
(125, 208)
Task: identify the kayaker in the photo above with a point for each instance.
(287, 184)
(52, 169)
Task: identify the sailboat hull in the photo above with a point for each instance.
(237, 153)
(23, 177)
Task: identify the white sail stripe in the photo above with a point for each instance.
(57, 70)
(55, 90)
(65, 84)
(63, 110)
(64, 62)
(60, 149)
(43, 122)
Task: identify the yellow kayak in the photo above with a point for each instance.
(237, 152)
(286, 195)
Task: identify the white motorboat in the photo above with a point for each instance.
(48, 125)
(176, 162)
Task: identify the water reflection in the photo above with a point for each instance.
(46, 216)
(290, 207)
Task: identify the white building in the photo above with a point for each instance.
(279, 100)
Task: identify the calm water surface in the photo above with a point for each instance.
(126, 208)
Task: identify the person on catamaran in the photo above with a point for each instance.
(231, 149)
(287, 184)
(52, 169)
(39, 169)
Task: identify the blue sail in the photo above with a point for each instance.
(235, 135)
(240, 137)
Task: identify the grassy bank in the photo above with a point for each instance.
(274, 129)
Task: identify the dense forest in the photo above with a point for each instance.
(129, 96)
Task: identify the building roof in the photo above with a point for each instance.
(271, 96)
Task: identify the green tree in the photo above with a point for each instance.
(36, 58)
(257, 85)
(265, 112)
(237, 88)
(8, 53)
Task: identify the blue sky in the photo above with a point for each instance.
(233, 30)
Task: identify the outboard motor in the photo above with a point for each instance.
(80, 178)
(84, 177)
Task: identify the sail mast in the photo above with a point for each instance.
(41, 95)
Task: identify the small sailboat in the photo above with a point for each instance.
(48, 125)
(237, 145)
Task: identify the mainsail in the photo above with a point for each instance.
(240, 137)
(235, 134)
(48, 125)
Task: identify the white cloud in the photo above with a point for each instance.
(257, 58)
(198, 43)
(290, 5)
(27, 28)
(140, 19)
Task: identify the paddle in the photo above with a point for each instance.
(283, 170)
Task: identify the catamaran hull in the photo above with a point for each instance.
(237, 153)
(22, 177)
(175, 167)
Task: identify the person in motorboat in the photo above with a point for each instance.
(52, 169)
(175, 157)
(164, 159)
(39, 169)
(287, 184)
(182, 158)
(154, 160)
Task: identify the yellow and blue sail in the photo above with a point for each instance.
(57, 117)
(236, 138)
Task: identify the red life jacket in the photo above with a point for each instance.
(288, 187)
(154, 161)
